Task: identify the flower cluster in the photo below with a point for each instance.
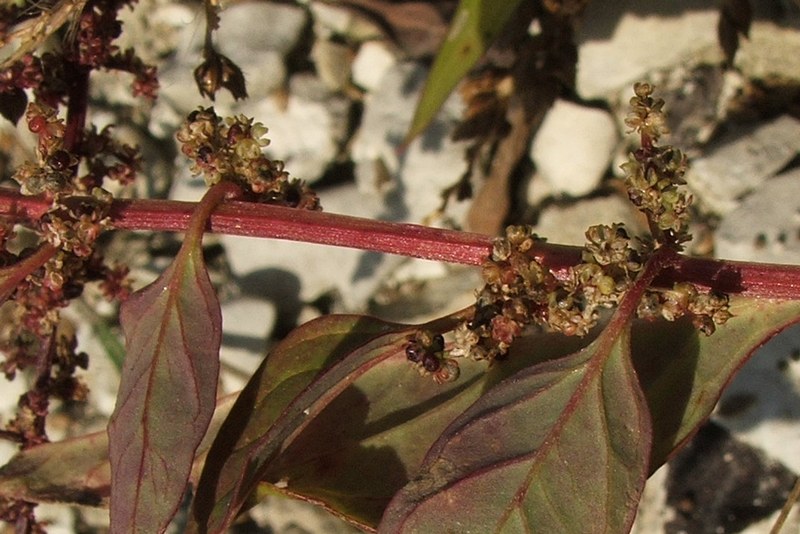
(707, 310)
(653, 175)
(520, 291)
(231, 150)
(426, 351)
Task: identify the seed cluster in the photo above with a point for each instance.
(231, 149)
(653, 174)
(519, 291)
(426, 351)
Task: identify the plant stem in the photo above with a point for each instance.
(276, 222)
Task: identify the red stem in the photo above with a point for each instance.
(264, 221)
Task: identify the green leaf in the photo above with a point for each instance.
(560, 447)
(354, 465)
(308, 369)
(167, 394)
(683, 372)
(70, 471)
(475, 25)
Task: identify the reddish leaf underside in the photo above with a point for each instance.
(683, 372)
(296, 381)
(560, 447)
(167, 394)
(354, 465)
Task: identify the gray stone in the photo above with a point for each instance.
(371, 63)
(761, 406)
(740, 161)
(429, 164)
(573, 147)
(567, 225)
(770, 51)
(620, 42)
(258, 26)
(766, 226)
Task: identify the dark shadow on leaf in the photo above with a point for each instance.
(328, 462)
(231, 438)
(665, 356)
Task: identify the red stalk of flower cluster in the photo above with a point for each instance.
(265, 221)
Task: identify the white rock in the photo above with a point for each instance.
(246, 324)
(264, 72)
(371, 63)
(430, 163)
(333, 61)
(619, 42)
(765, 226)
(387, 115)
(739, 162)
(573, 147)
(567, 225)
(330, 20)
(259, 26)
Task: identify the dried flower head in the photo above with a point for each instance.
(218, 71)
(231, 149)
(654, 175)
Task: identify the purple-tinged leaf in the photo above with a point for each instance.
(683, 372)
(71, 471)
(354, 465)
(77, 470)
(560, 447)
(168, 386)
(299, 378)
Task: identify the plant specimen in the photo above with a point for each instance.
(544, 406)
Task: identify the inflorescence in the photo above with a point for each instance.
(231, 149)
(520, 292)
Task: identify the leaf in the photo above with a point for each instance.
(70, 471)
(354, 465)
(173, 329)
(286, 392)
(76, 470)
(560, 447)
(683, 372)
(475, 25)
